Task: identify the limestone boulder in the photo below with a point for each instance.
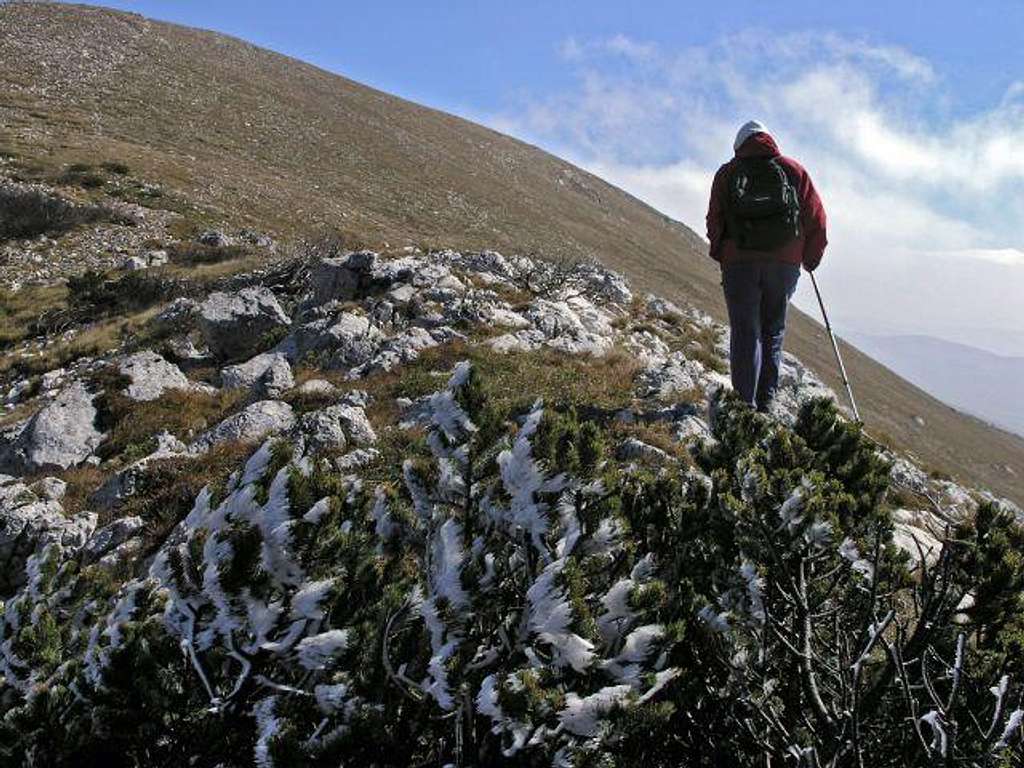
(235, 325)
(151, 375)
(62, 434)
(266, 376)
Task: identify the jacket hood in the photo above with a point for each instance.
(758, 145)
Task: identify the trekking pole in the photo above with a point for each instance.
(835, 348)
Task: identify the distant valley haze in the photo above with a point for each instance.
(974, 380)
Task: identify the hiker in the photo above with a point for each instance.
(765, 220)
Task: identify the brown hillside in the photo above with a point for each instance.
(255, 138)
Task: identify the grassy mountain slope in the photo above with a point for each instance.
(242, 135)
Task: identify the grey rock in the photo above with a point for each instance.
(343, 277)
(151, 376)
(918, 533)
(632, 449)
(797, 384)
(648, 348)
(234, 324)
(61, 435)
(490, 265)
(609, 286)
(386, 272)
(356, 459)
(258, 420)
(214, 238)
(183, 349)
(674, 375)
(145, 260)
(362, 262)
(352, 341)
(384, 313)
(359, 398)
(406, 347)
(661, 307)
(574, 325)
(125, 483)
(50, 488)
(691, 428)
(52, 380)
(317, 387)
(14, 493)
(177, 317)
(357, 425)
(17, 392)
(347, 340)
(111, 536)
(521, 341)
(167, 445)
(258, 239)
(337, 425)
(322, 431)
(503, 317)
(401, 294)
(128, 550)
(267, 376)
(28, 525)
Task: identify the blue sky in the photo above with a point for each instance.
(910, 116)
(464, 54)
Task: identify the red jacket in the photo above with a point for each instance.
(806, 249)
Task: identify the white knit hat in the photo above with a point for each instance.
(746, 131)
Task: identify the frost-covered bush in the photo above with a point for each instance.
(824, 644)
(515, 597)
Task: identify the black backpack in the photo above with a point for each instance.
(763, 207)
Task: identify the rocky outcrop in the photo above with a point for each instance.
(235, 325)
(125, 482)
(316, 387)
(341, 278)
(177, 317)
(336, 426)
(109, 542)
(145, 260)
(344, 341)
(62, 434)
(151, 376)
(632, 449)
(29, 523)
(214, 238)
(266, 376)
(266, 417)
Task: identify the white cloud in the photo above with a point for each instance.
(572, 49)
(1010, 257)
(630, 48)
(896, 59)
(902, 175)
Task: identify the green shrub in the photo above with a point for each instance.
(516, 598)
(30, 213)
(93, 294)
(81, 175)
(191, 254)
(116, 168)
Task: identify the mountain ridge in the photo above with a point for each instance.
(299, 148)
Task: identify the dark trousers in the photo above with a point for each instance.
(757, 294)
